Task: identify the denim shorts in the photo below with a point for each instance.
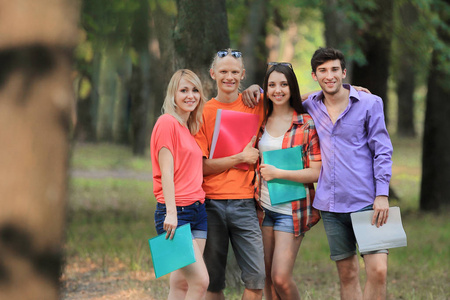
(279, 222)
(235, 221)
(341, 238)
(195, 214)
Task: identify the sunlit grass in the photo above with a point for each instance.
(111, 219)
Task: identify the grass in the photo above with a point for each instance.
(110, 220)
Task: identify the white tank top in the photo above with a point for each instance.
(268, 143)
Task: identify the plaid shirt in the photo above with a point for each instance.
(301, 133)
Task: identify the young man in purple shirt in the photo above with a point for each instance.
(356, 170)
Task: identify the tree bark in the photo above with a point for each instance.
(139, 84)
(254, 43)
(36, 114)
(375, 42)
(406, 59)
(339, 31)
(435, 188)
(201, 30)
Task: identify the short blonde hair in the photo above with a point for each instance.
(169, 107)
(216, 58)
(229, 53)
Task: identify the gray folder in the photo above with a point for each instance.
(371, 238)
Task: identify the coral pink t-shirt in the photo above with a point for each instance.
(187, 158)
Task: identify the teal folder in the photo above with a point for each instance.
(170, 255)
(281, 190)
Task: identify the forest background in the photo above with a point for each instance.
(118, 56)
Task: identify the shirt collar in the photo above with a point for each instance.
(297, 118)
(353, 93)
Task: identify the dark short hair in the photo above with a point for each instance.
(296, 99)
(322, 55)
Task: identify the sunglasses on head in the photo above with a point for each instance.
(279, 64)
(234, 53)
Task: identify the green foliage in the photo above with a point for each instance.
(108, 23)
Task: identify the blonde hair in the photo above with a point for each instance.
(169, 107)
(216, 58)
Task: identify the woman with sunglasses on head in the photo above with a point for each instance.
(286, 125)
(177, 178)
(229, 191)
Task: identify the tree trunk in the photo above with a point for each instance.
(85, 127)
(107, 93)
(201, 30)
(406, 60)
(435, 189)
(254, 43)
(375, 42)
(122, 101)
(36, 107)
(139, 84)
(339, 31)
(162, 60)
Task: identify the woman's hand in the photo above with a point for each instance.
(268, 172)
(170, 224)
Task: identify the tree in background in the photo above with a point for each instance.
(140, 77)
(435, 188)
(407, 61)
(36, 115)
(201, 30)
(373, 37)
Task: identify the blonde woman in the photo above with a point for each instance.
(177, 178)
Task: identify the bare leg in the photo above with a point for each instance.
(285, 253)
(348, 270)
(215, 296)
(252, 294)
(269, 246)
(195, 277)
(376, 270)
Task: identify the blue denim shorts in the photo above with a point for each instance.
(279, 222)
(341, 238)
(195, 214)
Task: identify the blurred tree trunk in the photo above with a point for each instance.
(406, 60)
(107, 94)
(339, 31)
(122, 101)
(85, 127)
(201, 30)
(36, 106)
(254, 42)
(375, 42)
(139, 84)
(435, 189)
(161, 59)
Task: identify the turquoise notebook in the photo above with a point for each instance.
(170, 255)
(281, 190)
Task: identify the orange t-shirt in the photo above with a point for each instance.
(233, 183)
(187, 161)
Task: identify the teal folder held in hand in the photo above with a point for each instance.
(281, 190)
(170, 255)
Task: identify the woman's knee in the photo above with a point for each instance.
(281, 281)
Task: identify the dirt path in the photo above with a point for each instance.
(85, 280)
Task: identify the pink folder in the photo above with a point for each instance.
(232, 132)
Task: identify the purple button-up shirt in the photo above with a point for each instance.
(356, 153)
